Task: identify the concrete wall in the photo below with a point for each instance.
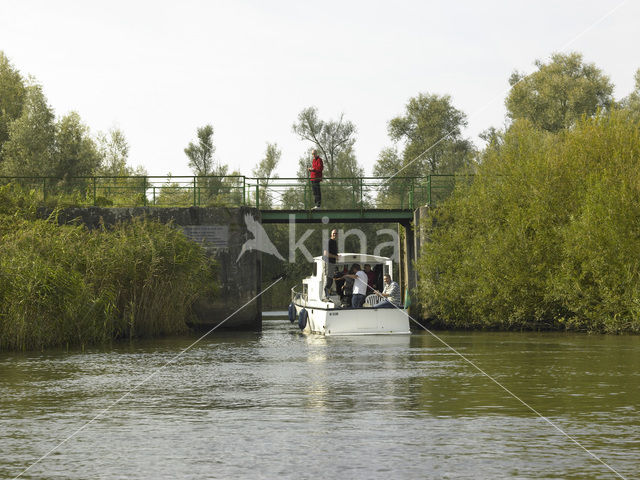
(222, 232)
(413, 237)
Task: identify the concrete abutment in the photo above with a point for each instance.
(222, 232)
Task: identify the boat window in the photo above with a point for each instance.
(315, 269)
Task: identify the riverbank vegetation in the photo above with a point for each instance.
(546, 237)
(540, 231)
(63, 285)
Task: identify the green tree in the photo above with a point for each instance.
(546, 235)
(200, 154)
(114, 150)
(632, 102)
(76, 154)
(331, 138)
(215, 186)
(265, 172)
(394, 190)
(559, 93)
(12, 97)
(29, 151)
(431, 130)
(431, 133)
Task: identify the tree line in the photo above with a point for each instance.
(546, 235)
(33, 142)
(541, 237)
(427, 138)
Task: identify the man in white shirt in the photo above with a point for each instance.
(359, 286)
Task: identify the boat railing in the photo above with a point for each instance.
(297, 295)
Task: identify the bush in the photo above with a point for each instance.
(547, 235)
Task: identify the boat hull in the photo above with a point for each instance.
(355, 321)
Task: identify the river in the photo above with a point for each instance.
(278, 404)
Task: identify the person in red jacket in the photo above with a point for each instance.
(315, 177)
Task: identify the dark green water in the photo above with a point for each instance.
(282, 405)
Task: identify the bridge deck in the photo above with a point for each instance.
(401, 216)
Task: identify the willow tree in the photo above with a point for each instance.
(331, 137)
(430, 134)
(265, 173)
(12, 97)
(334, 140)
(29, 150)
(559, 92)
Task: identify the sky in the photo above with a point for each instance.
(159, 70)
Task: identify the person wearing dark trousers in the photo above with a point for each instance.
(347, 288)
(331, 256)
(315, 176)
(359, 286)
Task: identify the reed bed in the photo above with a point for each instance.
(63, 285)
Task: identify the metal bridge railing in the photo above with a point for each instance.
(236, 190)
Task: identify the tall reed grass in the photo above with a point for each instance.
(66, 285)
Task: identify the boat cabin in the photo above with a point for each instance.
(313, 286)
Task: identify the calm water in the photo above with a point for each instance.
(282, 405)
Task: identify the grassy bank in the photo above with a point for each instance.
(547, 237)
(65, 285)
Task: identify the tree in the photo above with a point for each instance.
(214, 185)
(12, 97)
(431, 133)
(559, 93)
(114, 150)
(76, 154)
(334, 140)
(431, 130)
(632, 102)
(545, 237)
(389, 161)
(201, 154)
(29, 150)
(329, 137)
(265, 172)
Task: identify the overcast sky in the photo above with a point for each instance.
(158, 70)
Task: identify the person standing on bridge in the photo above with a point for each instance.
(315, 176)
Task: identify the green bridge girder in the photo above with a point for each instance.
(402, 216)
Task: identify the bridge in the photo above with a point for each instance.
(223, 204)
(344, 199)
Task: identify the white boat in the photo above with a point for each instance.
(325, 316)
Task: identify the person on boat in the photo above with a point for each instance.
(331, 255)
(359, 286)
(371, 276)
(338, 278)
(347, 288)
(391, 293)
(315, 177)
